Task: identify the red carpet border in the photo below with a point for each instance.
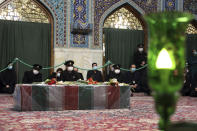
(141, 117)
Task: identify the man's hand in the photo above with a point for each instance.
(7, 86)
(134, 86)
(143, 63)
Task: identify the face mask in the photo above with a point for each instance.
(140, 49)
(10, 67)
(94, 67)
(195, 53)
(117, 71)
(70, 68)
(35, 72)
(133, 69)
(58, 74)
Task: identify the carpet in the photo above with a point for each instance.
(141, 117)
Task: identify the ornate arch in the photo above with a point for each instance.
(111, 9)
(50, 12)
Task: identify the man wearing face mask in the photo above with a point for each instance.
(140, 56)
(33, 75)
(56, 74)
(117, 74)
(8, 79)
(69, 74)
(95, 74)
(132, 78)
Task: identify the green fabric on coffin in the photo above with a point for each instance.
(125, 92)
(99, 97)
(40, 98)
(56, 97)
(85, 97)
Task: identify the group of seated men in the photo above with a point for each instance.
(137, 79)
(133, 77)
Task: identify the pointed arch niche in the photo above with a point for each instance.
(132, 6)
(28, 11)
(125, 17)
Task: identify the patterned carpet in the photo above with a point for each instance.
(141, 117)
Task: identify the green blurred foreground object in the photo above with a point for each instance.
(166, 60)
(182, 126)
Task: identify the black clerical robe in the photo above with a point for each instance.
(139, 57)
(69, 76)
(54, 75)
(120, 77)
(29, 77)
(132, 78)
(96, 75)
(7, 77)
(80, 75)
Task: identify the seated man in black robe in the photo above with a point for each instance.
(132, 78)
(95, 74)
(69, 74)
(33, 75)
(80, 75)
(56, 74)
(8, 79)
(117, 74)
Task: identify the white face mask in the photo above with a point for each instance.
(10, 67)
(58, 74)
(140, 49)
(133, 69)
(94, 67)
(35, 72)
(70, 68)
(117, 71)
